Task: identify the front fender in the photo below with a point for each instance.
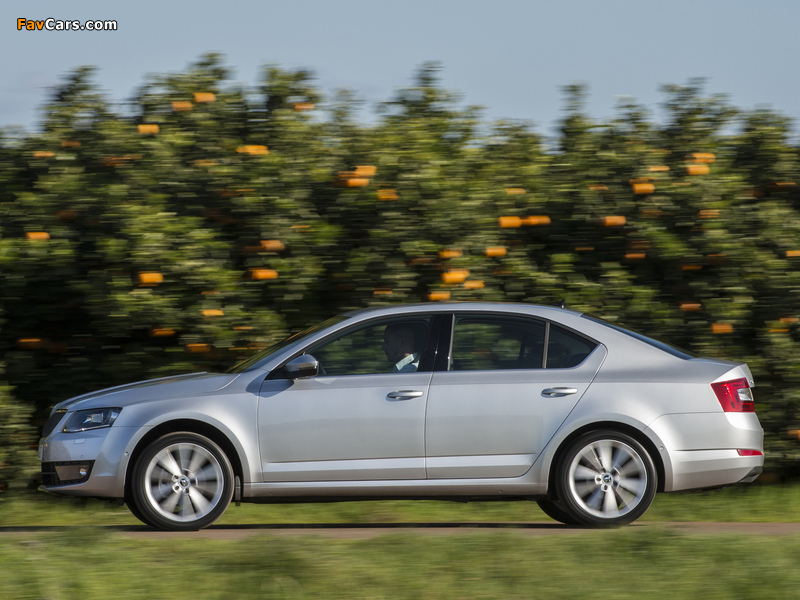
(241, 432)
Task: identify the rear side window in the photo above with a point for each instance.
(489, 343)
(495, 342)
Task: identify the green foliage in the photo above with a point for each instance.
(210, 220)
(17, 460)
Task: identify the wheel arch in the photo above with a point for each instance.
(190, 426)
(635, 433)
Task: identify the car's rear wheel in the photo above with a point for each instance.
(181, 482)
(605, 478)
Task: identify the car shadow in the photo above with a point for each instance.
(254, 527)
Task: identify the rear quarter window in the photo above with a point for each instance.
(566, 349)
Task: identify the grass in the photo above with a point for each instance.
(622, 564)
(754, 503)
(82, 560)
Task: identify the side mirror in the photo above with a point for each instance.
(304, 365)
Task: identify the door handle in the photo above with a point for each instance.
(559, 391)
(404, 394)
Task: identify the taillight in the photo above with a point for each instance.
(735, 395)
(750, 452)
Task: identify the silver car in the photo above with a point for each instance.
(463, 401)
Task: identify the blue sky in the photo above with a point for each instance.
(510, 56)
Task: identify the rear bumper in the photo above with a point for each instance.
(701, 450)
(699, 469)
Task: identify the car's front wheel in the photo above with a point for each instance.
(181, 482)
(605, 478)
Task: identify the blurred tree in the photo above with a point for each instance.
(207, 220)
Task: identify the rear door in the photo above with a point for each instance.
(504, 387)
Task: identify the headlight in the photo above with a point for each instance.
(94, 418)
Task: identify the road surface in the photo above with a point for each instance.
(362, 531)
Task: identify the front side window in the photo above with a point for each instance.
(385, 346)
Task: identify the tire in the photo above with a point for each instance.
(181, 482)
(605, 478)
(135, 511)
(555, 511)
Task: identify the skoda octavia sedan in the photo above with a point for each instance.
(464, 401)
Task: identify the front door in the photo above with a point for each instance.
(361, 418)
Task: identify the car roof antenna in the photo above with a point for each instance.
(561, 303)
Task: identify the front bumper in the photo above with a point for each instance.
(102, 453)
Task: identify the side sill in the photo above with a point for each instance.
(491, 489)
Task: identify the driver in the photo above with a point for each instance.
(399, 343)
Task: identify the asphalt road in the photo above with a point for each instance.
(361, 531)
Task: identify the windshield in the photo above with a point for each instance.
(673, 350)
(260, 358)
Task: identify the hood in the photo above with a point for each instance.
(177, 386)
